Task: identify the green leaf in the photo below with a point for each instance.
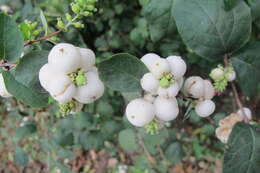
(174, 152)
(91, 140)
(160, 18)
(246, 63)
(255, 7)
(27, 129)
(208, 29)
(11, 40)
(24, 84)
(20, 157)
(229, 4)
(122, 72)
(243, 153)
(44, 22)
(127, 140)
(63, 139)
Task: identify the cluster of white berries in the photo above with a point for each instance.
(3, 91)
(70, 76)
(161, 86)
(221, 76)
(203, 90)
(226, 125)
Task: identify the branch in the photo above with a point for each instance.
(7, 65)
(42, 38)
(148, 155)
(234, 90)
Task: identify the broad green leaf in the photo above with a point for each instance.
(122, 72)
(174, 152)
(229, 4)
(44, 22)
(23, 84)
(160, 18)
(20, 157)
(91, 140)
(255, 8)
(127, 140)
(208, 29)
(243, 153)
(27, 129)
(11, 40)
(63, 139)
(246, 63)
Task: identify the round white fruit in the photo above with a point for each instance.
(178, 66)
(46, 74)
(65, 58)
(3, 90)
(194, 86)
(166, 109)
(148, 59)
(231, 76)
(140, 112)
(93, 89)
(169, 92)
(209, 90)
(247, 111)
(61, 88)
(160, 67)
(87, 58)
(216, 73)
(205, 108)
(149, 83)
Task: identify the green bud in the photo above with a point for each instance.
(75, 8)
(33, 25)
(86, 13)
(78, 25)
(90, 7)
(152, 128)
(68, 17)
(166, 81)
(36, 32)
(60, 24)
(81, 80)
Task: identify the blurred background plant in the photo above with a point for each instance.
(99, 139)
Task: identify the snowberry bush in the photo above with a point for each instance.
(183, 60)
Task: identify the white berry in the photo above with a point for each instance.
(46, 74)
(194, 86)
(216, 73)
(149, 83)
(169, 92)
(231, 76)
(87, 58)
(180, 82)
(61, 88)
(140, 112)
(166, 109)
(205, 108)
(160, 67)
(65, 58)
(247, 111)
(178, 66)
(93, 89)
(149, 58)
(3, 90)
(209, 90)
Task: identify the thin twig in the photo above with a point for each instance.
(7, 65)
(42, 38)
(234, 90)
(148, 155)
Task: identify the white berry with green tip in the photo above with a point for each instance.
(93, 89)
(209, 90)
(88, 58)
(178, 66)
(194, 86)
